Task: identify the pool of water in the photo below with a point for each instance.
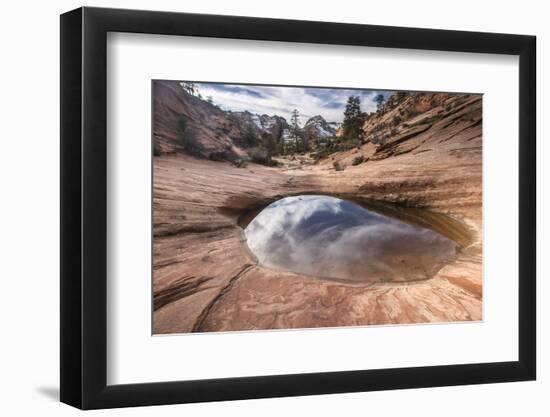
(332, 238)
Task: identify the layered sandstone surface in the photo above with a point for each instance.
(205, 279)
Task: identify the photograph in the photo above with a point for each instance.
(300, 207)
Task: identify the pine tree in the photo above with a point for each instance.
(353, 118)
(295, 130)
(379, 100)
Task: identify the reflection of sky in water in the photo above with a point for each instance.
(333, 238)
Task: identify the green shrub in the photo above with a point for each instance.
(250, 139)
(187, 139)
(338, 166)
(260, 156)
(321, 154)
(240, 163)
(396, 120)
(219, 155)
(358, 160)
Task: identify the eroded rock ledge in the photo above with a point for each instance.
(200, 233)
(206, 280)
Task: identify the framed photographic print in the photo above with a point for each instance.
(256, 208)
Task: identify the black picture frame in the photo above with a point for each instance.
(84, 207)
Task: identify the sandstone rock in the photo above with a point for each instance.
(205, 279)
(184, 123)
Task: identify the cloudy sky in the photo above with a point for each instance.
(329, 237)
(327, 102)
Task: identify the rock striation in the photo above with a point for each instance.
(185, 124)
(422, 151)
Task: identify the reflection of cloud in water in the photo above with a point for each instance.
(333, 238)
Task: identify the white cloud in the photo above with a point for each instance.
(329, 103)
(328, 237)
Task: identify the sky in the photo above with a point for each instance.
(326, 236)
(328, 102)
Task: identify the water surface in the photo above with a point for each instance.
(327, 237)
